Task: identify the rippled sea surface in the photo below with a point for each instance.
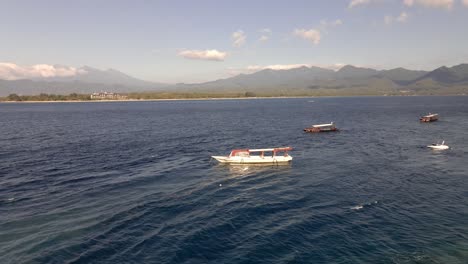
(132, 182)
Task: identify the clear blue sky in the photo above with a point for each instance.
(168, 41)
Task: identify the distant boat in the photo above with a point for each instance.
(321, 128)
(429, 118)
(438, 146)
(274, 156)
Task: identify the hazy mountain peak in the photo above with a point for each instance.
(461, 68)
(114, 71)
(442, 68)
(88, 68)
(455, 74)
(350, 71)
(347, 67)
(401, 75)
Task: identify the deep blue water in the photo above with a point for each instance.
(132, 182)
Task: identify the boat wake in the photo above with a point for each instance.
(362, 206)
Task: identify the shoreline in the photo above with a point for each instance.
(167, 99)
(217, 98)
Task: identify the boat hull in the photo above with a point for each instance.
(429, 118)
(425, 120)
(253, 160)
(318, 130)
(438, 147)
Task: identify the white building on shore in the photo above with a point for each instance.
(107, 96)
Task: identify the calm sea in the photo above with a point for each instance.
(132, 182)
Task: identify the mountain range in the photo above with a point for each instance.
(88, 81)
(347, 80)
(302, 80)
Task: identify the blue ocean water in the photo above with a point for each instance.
(132, 182)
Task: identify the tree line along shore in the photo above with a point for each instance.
(44, 97)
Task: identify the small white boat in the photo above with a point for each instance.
(438, 146)
(265, 156)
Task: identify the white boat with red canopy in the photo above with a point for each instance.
(265, 156)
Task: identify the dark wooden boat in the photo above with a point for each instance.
(429, 118)
(321, 128)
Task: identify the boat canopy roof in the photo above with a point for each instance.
(260, 150)
(431, 115)
(271, 149)
(324, 125)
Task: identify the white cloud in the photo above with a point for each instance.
(239, 38)
(11, 71)
(337, 22)
(266, 33)
(264, 38)
(355, 3)
(447, 4)
(402, 17)
(277, 67)
(213, 55)
(312, 35)
(325, 25)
